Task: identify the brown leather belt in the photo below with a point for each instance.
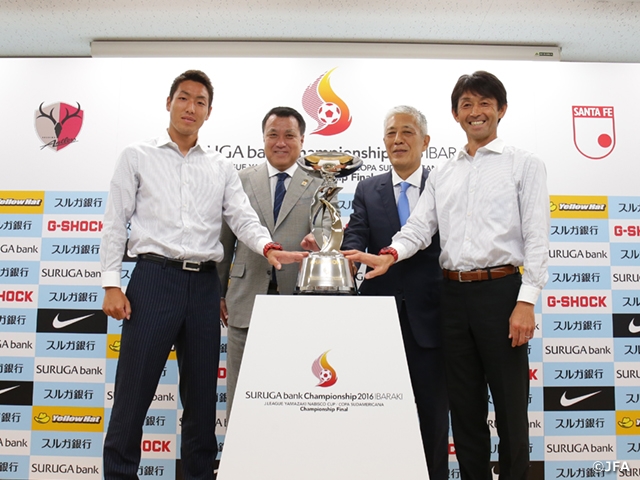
(491, 273)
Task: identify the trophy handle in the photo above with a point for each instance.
(319, 205)
(336, 235)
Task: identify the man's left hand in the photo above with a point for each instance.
(522, 324)
(309, 243)
(277, 258)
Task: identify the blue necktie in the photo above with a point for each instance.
(279, 195)
(403, 203)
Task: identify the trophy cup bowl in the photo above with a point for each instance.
(327, 272)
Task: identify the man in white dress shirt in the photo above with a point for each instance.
(175, 194)
(491, 207)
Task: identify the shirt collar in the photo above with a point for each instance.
(274, 171)
(414, 179)
(496, 146)
(164, 139)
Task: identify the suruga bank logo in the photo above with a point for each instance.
(323, 371)
(58, 124)
(325, 107)
(594, 132)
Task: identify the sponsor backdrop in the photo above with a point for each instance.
(66, 120)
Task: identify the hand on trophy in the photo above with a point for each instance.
(379, 263)
(277, 258)
(309, 243)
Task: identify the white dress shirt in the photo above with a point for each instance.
(273, 178)
(491, 209)
(175, 205)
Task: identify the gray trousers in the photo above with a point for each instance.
(236, 339)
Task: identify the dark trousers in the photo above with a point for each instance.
(427, 372)
(168, 307)
(478, 352)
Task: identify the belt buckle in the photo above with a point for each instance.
(191, 266)
(460, 277)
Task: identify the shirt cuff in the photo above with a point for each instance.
(261, 245)
(402, 252)
(528, 294)
(110, 279)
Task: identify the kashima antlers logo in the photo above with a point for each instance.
(594, 133)
(323, 371)
(58, 124)
(325, 107)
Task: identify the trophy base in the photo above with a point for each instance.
(325, 274)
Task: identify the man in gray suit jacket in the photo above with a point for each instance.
(243, 273)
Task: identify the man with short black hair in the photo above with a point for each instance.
(175, 194)
(491, 207)
(281, 194)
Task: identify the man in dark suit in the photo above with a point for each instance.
(281, 195)
(380, 207)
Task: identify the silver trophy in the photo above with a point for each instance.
(327, 271)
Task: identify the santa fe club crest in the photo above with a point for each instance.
(594, 132)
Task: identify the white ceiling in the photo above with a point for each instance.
(585, 30)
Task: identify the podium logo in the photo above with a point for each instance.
(323, 371)
(325, 107)
(58, 125)
(594, 133)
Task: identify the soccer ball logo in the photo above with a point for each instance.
(325, 376)
(329, 113)
(324, 372)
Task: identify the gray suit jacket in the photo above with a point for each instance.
(247, 274)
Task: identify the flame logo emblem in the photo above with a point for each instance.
(323, 371)
(325, 107)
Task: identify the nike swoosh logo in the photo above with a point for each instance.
(567, 402)
(57, 323)
(633, 328)
(8, 389)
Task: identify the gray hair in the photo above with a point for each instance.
(417, 115)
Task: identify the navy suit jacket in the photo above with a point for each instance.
(416, 280)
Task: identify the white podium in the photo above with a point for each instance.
(323, 393)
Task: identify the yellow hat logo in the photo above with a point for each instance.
(626, 422)
(115, 346)
(42, 418)
(552, 206)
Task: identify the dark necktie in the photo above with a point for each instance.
(403, 203)
(279, 195)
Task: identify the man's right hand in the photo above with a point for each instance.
(224, 314)
(379, 263)
(116, 304)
